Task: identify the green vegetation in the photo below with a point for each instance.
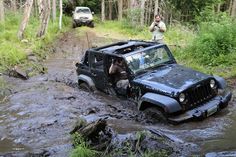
(13, 51)
(81, 147)
(210, 48)
(213, 50)
(130, 147)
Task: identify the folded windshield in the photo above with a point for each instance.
(143, 60)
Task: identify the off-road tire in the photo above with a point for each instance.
(155, 115)
(84, 86)
(74, 25)
(91, 25)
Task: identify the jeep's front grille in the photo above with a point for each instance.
(83, 18)
(198, 95)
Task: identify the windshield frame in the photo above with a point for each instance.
(79, 10)
(171, 58)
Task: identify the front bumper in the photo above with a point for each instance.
(209, 108)
(83, 21)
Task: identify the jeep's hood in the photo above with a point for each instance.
(77, 16)
(171, 78)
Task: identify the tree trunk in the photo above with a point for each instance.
(142, 12)
(41, 9)
(120, 9)
(45, 18)
(61, 12)
(146, 12)
(128, 4)
(233, 11)
(20, 6)
(103, 10)
(150, 10)
(24, 22)
(110, 10)
(35, 9)
(2, 13)
(218, 7)
(13, 5)
(156, 8)
(132, 3)
(54, 10)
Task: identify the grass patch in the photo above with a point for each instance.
(14, 51)
(210, 50)
(81, 147)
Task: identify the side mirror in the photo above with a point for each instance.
(92, 13)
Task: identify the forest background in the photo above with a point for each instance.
(202, 34)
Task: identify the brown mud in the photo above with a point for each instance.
(38, 115)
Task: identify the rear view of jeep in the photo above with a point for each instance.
(82, 16)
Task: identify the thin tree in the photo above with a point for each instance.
(2, 14)
(142, 12)
(20, 6)
(120, 9)
(61, 12)
(103, 10)
(13, 5)
(40, 8)
(45, 18)
(110, 9)
(54, 10)
(156, 7)
(233, 11)
(24, 22)
(150, 10)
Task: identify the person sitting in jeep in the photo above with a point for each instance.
(118, 70)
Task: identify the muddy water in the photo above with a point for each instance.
(41, 111)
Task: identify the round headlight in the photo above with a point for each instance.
(182, 97)
(212, 83)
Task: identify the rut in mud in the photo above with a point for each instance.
(40, 113)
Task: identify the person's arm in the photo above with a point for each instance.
(152, 27)
(112, 69)
(162, 27)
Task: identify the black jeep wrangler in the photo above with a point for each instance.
(156, 82)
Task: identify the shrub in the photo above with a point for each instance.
(215, 43)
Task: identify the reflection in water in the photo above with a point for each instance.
(226, 142)
(7, 145)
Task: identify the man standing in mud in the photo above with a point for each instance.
(118, 69)
(158, 28)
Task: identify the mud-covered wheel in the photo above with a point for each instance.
(91, 25)
(154, 114)
(84, 86)
(74, 25)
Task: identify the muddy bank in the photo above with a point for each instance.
(39, 113)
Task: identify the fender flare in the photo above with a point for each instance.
(220, 82)
(87, 80)
(169, 105)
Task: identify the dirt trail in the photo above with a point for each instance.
(41, 111)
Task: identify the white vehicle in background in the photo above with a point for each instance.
(82, 16)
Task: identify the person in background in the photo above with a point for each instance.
(158, 28)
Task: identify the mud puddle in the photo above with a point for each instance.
(40, 112)
(8, 145)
